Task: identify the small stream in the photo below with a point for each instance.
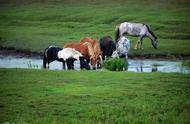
(135, 65)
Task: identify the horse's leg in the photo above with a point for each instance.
(44, 62)
(48, 62)
(72, 64)
(141, 41)
(98, 65)
(47, 65)
(63, 65)
(126, 63)
(68, 64)
(137, 44)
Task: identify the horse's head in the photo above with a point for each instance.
(98, 53)
(93, 62)
(84, 63)
(155, 43)
(115, 54)
(153, 37)
(99, 61)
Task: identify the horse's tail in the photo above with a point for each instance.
(117, 33)
(44, 58)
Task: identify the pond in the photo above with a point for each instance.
(135, 65)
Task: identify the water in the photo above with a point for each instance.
(157, 66)
(134, 65)
(22, 62)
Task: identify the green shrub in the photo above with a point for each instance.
(115, 64)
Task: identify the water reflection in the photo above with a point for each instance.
(141, 68)
(154, 69)
(157, 66)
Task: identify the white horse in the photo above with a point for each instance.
(123, 46)
(136, 29)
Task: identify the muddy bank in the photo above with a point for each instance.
(11, 51)
(27, 53)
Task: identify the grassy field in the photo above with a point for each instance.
(43, 97)
(94, 97)
(35, 24)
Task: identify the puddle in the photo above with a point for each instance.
(134, 65)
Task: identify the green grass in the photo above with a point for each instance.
(44, 97)
(186, 63)
(34, 25)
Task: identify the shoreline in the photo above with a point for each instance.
(11, 51)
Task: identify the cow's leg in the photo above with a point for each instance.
(126, 63)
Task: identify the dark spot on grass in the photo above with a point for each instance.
(31, 106)
(2, 106)
(19, 95)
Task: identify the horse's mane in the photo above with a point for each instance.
(90, 49)
(151, 32)
(117, 33)
(97, 49)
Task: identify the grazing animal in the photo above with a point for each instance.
(107, 46)
(67, 55)
(86, 50)
(123, 46)
(96, 48)
(136, 29)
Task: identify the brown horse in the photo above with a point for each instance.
(96, 48)
(86, 50)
